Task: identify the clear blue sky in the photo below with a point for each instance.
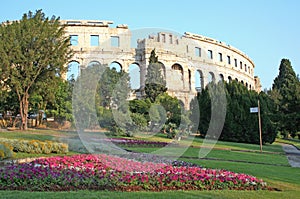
(266, 30)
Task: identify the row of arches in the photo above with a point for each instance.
(200, 81)
(135, 74)
(133, 70)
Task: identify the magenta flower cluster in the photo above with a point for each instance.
(106, 172)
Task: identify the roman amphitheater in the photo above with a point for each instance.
(189, 61)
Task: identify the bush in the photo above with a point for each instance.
(5, 151)
(35, 146)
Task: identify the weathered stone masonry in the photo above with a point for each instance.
(182, 57)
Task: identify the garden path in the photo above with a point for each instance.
(293, 155)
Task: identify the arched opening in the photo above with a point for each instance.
(242, 82)
(246, 84)
(229, 79)
(199, 82)
(163, 69)
(211, 77)
(250, 86)
(178, 68)
(236, 79)
(93, 63)
(115, 65)
(73, 70)
(135, 76)
(221, 77)
(175, 78)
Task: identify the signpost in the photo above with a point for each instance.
(257, 110)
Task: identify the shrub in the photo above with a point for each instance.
(36, 146)
(5, 151)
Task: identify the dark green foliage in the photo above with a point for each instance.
(111, 99)
(33, 51)
(140, 106)
(240, 125)
(172, 107)
(111, 78)
(286, 96)
(61, 108)
(155, 82)
(166, 114)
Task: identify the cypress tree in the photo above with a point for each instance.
(286, 95)
(155, 82)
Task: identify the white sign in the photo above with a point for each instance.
(254, 110)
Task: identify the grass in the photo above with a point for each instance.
(198, 142)
(237, 156)
(149, 195)
(294, 142)
(272, 166)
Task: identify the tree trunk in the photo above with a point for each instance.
(24, 111)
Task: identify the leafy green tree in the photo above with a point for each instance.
(32, 50)
(110, 78)
(111, 99)
(155, 82)
(61, 107)
(286, 95)
(172, 107)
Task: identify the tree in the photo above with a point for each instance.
(240, 125)
(32, 50)
(61, 107)
(286, 95)
(155, 82)
(107, 86)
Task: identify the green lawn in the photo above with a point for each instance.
(272, 166)
(238, 156)
(224, 194)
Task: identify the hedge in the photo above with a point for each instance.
(5, 151)
(35, 146)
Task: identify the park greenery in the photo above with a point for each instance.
(68, 171)
(33, 62)
(33, 52)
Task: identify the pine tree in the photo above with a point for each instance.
(155, 82)
(285, 93)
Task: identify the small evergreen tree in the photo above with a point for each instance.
(155, 82)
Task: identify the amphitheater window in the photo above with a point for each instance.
(210, 54)
(198, 51)
(241, 65)
(163, 38)
(94, 40)
(220, 57)
(115, 41)
(228, 60)
(235, 62)
(245, 68)
(74, 40)
(170, 39)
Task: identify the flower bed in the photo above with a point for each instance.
(137, 143)
(104, 172)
